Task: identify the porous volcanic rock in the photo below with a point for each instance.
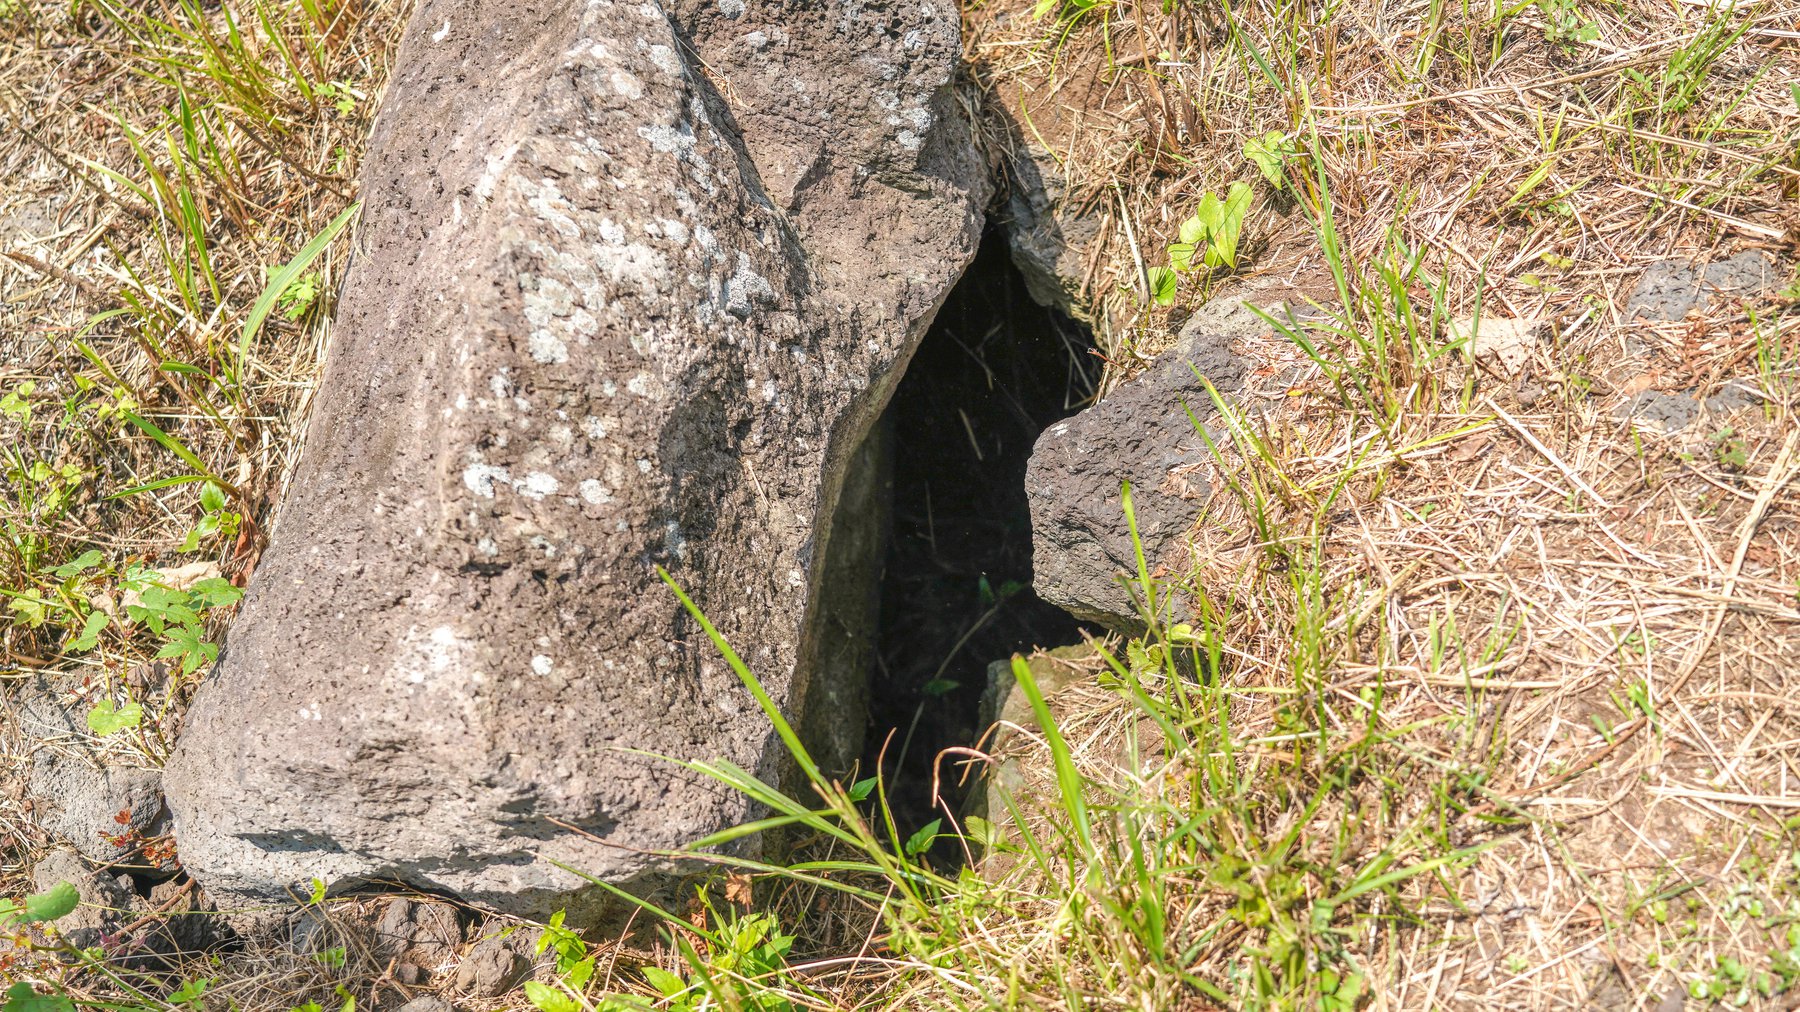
(1142, 432)
(81, 792)
(633, 282)
(1671, 289)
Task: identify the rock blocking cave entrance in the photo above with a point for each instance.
(991, 374)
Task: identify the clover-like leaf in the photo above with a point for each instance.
(90, 632)
(108, 719)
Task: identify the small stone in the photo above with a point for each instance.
(436, 934)
(104, 809)
(491, 969)
(427, 1004)
(1670, 412)
(394, 933)
(312, 931)
(408, 973)
(425, 935)
(1671, 289)
(105, 906)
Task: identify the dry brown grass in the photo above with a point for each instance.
(1430, 117)
(154, 169)
(1526, 622)
(1588, 616)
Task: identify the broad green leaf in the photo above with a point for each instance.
(1222, 249)
(32, 608)
(78, 565)
(861, 789)
(549, 999)
(1270, 152)
(57, 901)
(1210, 213)
(106, 719)
(1193, 231)
(1162, 285)
(582, 972)
(1181, 255)
(983, 832)
(21, 998)
(212, 497)
(664, 981)
(920, 842)
(90, 632)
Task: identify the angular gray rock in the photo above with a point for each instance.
(634, 283)
(1048, 238)
(427, 1004)
(1142, 432)
(81, 794)
(107, 903)
(492, 967)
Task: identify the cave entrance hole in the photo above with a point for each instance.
(993, 371)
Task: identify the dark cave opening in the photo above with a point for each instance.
(994, 370)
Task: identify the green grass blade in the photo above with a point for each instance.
(1068, 779)
(171, 444)
(284, 278)
(770, 710)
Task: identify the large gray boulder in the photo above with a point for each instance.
(634, 283)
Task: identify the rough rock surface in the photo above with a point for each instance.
(1047, 237)
(107, 902)
(1671, 289)
(79, 793)
(492, 967)
(634, 283)
(427, 1004)
(419, 934)
(1142, 433)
